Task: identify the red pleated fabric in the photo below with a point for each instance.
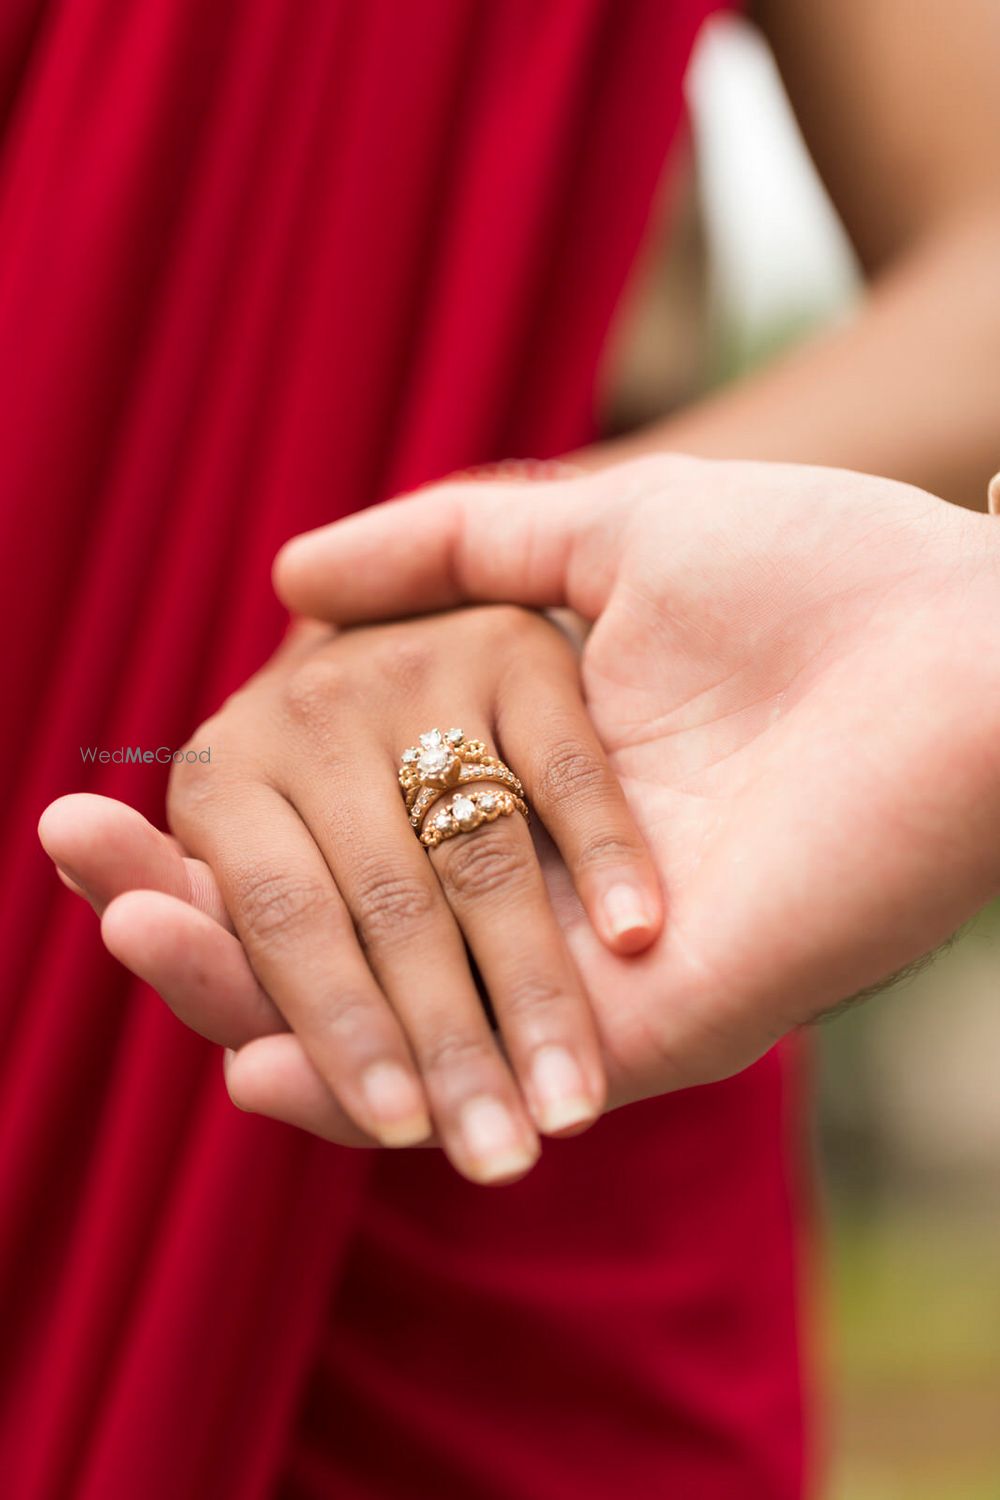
(262, 263)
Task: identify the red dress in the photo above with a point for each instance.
(261, 263)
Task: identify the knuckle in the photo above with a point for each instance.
(274, 907)
(311, 693)
(481, 865)
(608, 848)
(192, 785)
(571, 773)
(346, 1014)
(407, 659)
(448, 1048)
(508, 622)
(390, 906)
(532, 995)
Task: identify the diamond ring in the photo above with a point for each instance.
(445, 761)
(464, 813)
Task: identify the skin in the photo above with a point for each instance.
(898, 105)
(782, 682)
(355, 934)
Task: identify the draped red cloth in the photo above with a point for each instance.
(262, 263)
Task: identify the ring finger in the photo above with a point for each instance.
(415, 951)
(493, 883)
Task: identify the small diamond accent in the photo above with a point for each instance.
(487, 802)
(443, 820)
(431, 740)
(409, 756)
(454, 736)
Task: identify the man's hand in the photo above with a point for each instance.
(794, 675)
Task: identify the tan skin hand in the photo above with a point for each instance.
(357, 934)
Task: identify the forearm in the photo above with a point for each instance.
(909, 388)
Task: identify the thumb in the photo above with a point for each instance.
(529, 543)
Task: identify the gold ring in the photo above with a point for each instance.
(474, 764)
(420, 802)
(442, 763)
(466, 812)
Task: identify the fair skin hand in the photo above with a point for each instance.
(354, 935)
(780, 674)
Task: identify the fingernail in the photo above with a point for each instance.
(559, 1089)
(71, 877)
(627, 916)
(228, 1058)
(296, 546)
(493, 1141)
(396, 1105)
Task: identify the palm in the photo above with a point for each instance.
(776, 708)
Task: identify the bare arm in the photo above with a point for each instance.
(899, 106)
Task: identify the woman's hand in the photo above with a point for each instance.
(794, 672)
(356, 935)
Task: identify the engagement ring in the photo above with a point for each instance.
(444, 761)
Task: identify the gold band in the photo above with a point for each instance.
(466, 812)
(424, 797)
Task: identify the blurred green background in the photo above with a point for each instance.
(748, 256)
(908, 1140)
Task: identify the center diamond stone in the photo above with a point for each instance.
(463, 810)
(434, 761)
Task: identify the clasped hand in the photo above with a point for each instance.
(784, 690)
